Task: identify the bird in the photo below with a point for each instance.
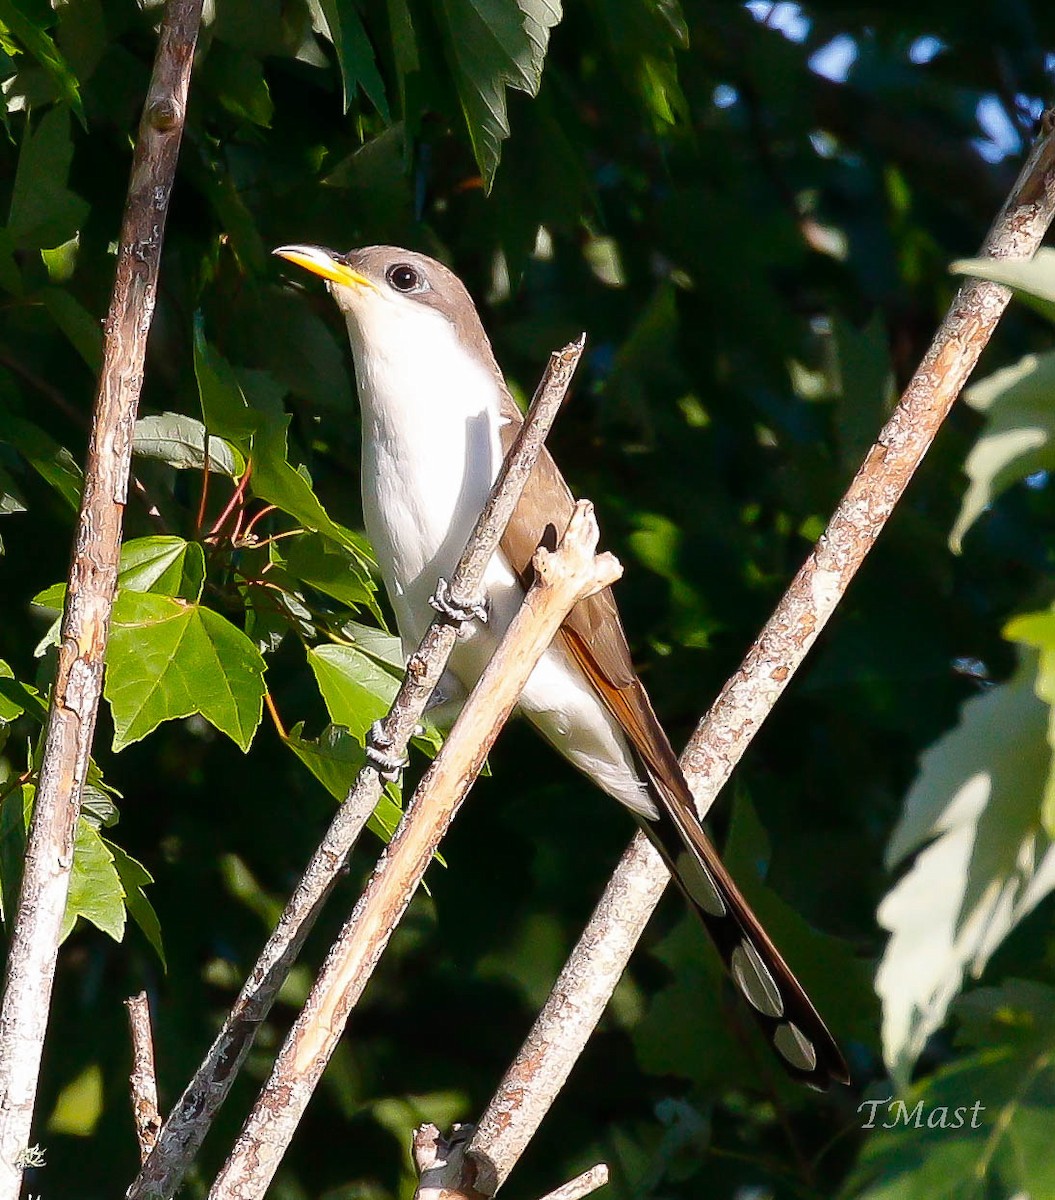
(437, 421)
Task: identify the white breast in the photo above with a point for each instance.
(430, 454)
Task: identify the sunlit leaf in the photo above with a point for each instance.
(975, 808)
(95, 886)
(328, 566)
(1018, 403)
(134, 877)
(356, 690)
(1032, 279)
(41, 46)
(276, 480)
(168, 565)
(169, 659)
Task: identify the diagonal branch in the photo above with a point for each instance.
(143, 1080)
(90, 591)
(596, 964)
(563, 578)
(186, 1126)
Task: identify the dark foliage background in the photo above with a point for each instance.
(752, 210)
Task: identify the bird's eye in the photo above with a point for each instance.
(403, 278)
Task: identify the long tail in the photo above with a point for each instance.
(774, 996)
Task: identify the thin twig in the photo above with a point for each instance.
(90, 592)
(582, 1185)
(143, 1080)
(596, 964)
(563, 577)
(236, 497)
(187, 1123)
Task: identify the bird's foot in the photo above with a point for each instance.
(456, 613)
(378, 743)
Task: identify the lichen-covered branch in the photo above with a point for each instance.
(596, 964)
(143, 1081)
(563, 577)
(186, 1126)
(90, 592)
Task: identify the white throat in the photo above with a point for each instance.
(430, 448)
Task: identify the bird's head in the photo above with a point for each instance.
(392, 298)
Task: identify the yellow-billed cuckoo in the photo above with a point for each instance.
(437, 420)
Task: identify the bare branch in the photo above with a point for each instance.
(90, 591)
(186, 1126)
(598, 961)
(582, 1185)
(143, 1081)
(563, 577)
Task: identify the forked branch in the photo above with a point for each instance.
(186, 1126)
(563, 577)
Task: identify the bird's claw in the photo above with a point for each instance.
(456, 613)
(378, 743)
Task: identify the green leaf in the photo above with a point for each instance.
(223, 404)
(61, 262)
(384, 648)
(404, 46)
(987, 863)
(10, 706)
(180, 441)
(170, 566)
(82, 330)
(40, 45)
(342, 24)
(356, 690)
(168, 659)
(237, 78)
(54, 463)
(134, 877)
(329, 567)
(642, 39)
(1032, 279)
(17, 698)
(14, 825)
(11, 500)
(44, 212)
(95, 886)
(1038, 631)
(335, 759)
(276, 480)
(492, 45)
(1018, 403)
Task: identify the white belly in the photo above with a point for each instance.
(430, 455)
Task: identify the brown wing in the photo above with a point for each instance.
(593, 634)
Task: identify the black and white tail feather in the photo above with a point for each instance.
(774, 996)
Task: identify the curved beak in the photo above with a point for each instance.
(320, 261)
